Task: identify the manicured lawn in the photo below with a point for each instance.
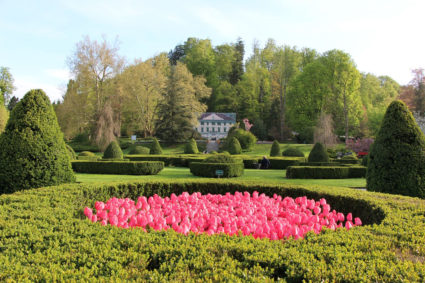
(264, 176)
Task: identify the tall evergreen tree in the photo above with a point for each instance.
(237, 64)
(32, 148)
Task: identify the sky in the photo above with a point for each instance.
(37, 37)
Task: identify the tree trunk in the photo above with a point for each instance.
(346, 115)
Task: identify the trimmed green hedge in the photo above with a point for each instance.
(90, 158)
(284, 162)
(325, 172)
(118, 167)
(205, 169)
(44, 236)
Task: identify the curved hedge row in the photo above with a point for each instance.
(204, 169)
(44, 236)
(118, 167)
(325, 172)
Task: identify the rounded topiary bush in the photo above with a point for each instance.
(155, 147)
(246, 139)
(86, 153)
(396, 160)
(71, 152)
(234, 146)
(113, 151)
(275, 150)
(32, 149)
(318, 154)
(229, 166)
(139, 150)
(293, 152)
(220, 158)
(191, 147)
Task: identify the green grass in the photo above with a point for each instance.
(264, 176)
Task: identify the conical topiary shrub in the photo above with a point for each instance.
(293, 152)
(191, 147)
(234, 146)
(155, 148)
(318, 154)
(139, 150)
(32, 149)
(71, 152)
(275, 150)
(396, 160)
(113, 151)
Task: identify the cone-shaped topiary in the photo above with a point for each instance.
(293, 152)
(32, 149)
(191, 147)
(275, 150)
(139, 150)
(318, 154)
(155, 148)
(234, 146)
(71, 152)
(113, 151)
(396, 160)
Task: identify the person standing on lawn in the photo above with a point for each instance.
(265, 163)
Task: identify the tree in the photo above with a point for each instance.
(237, 64)
(107, 125)
(418, 83)
(234, 147)
(142, 86)
(396, 159)
(12, 103)
(94, 65)
(191, 147)
(324, 131)
(4, 116)
(6, 85)
(275, 149)
(33, 152)
(180, 106)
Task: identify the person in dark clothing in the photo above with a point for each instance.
(265, 163)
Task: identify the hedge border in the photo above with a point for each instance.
(325, 172)
(118, 167)
(45, 237)
(204, 169)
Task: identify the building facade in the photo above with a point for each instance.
(214, 125)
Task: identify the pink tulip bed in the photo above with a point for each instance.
(240, 213)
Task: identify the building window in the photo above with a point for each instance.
(218, 130)
(218, 123)
(225, 129)
(202, 130)
(202, 123)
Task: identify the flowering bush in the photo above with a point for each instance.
(257, 215)
(359, 145)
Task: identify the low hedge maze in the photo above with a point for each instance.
(44, 236)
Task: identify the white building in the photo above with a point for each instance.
(214, 125)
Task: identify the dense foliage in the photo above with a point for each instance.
(71, 152)
(229, 169)
(191, 147)
(155, 147)
(233, 146)
(293, 151)
(118, 167)
(246, 139)
(139, 150)
(325, 172)
(32, 149)
(220, 158)
(113, 151)
(318, 154)
(46, 237)
(396, 161)
(275, 149)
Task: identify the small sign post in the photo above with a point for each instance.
(219, 173)
(133, 137)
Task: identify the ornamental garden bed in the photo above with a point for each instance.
(45, 236)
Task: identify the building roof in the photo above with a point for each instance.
(218, 116)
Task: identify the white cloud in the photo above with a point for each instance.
(25, 84)
(62, 74)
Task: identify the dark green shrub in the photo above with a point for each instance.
(246, 139)
(118, 167)
(220, 158)
(139, 150)
(86, 153)
(32, 149)
(113, 151)
(275, 149)
(325, 172)
(283, 162)
(396, 160)
(191, 147)
(204, 169)
(234, 146)
(81, 138)
(306, 135)
(155, 147)
(71, 152)
(293, 152)
(124, 144)
(365, 160)
(318, 154)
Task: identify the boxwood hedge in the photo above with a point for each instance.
(118, 167)
(44, 236)
(204, 169)
(325, 172)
